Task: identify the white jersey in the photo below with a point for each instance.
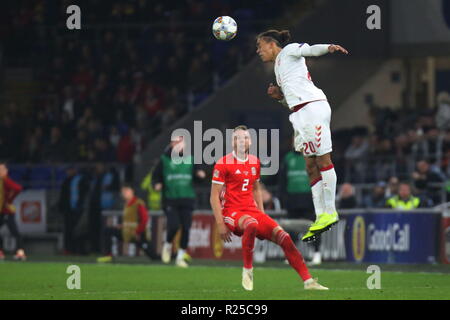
(293, 76)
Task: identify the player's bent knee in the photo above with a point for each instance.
(246, 221)
(250, 224)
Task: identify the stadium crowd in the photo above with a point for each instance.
(133, 69)
(406, 135)
(406, 145)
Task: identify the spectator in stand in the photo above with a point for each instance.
(125, 153)
(392, 187)
(114, 137)
(70, 105)
(404, 200)
(122, 106)
(403, 149)
(102, 151)
(83, 76)
(346, 198)
(402, 145)
(32, 150)
(383, 156)
(424, 178)
(432, 141)
(151, 103)
(82, 147)
(376, 199)
(443, 111)
(55, 150)
(358, 148)
(354, 156)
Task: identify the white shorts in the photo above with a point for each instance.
(312, 134)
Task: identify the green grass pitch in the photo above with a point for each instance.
(153, 281)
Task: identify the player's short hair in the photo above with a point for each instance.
(280, 37)
(240, 127)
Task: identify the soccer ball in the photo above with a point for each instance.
(224, 28)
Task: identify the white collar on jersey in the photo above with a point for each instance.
(241, 160)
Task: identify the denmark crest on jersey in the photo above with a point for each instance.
(216, 173)
(254, 171)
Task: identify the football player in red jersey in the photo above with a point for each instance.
(9, 190)
(236, 180)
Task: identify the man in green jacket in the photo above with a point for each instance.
(175, 180)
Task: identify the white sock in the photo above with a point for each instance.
(317, 196)
(180, 254)
(317, 256)
(167, 246)
(329, 181)
(308, 281)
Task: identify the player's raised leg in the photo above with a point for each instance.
(249, 227)
(329, 181)
(315, 179)
(295, 258)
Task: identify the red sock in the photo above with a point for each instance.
(248, 241)
(292, 254)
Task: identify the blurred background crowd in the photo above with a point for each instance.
(107, 90)
(102, 94)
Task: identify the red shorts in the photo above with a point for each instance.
(265, 223)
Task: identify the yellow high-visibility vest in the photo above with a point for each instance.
(397, 203)
(153, 197)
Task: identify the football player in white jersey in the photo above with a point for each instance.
(310, 117)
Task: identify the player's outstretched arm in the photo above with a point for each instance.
(305, 50)
(214, 200)
(337, 48)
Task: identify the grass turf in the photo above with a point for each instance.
(47, 280)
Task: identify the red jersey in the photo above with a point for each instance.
(238, 177)
(8, 192)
